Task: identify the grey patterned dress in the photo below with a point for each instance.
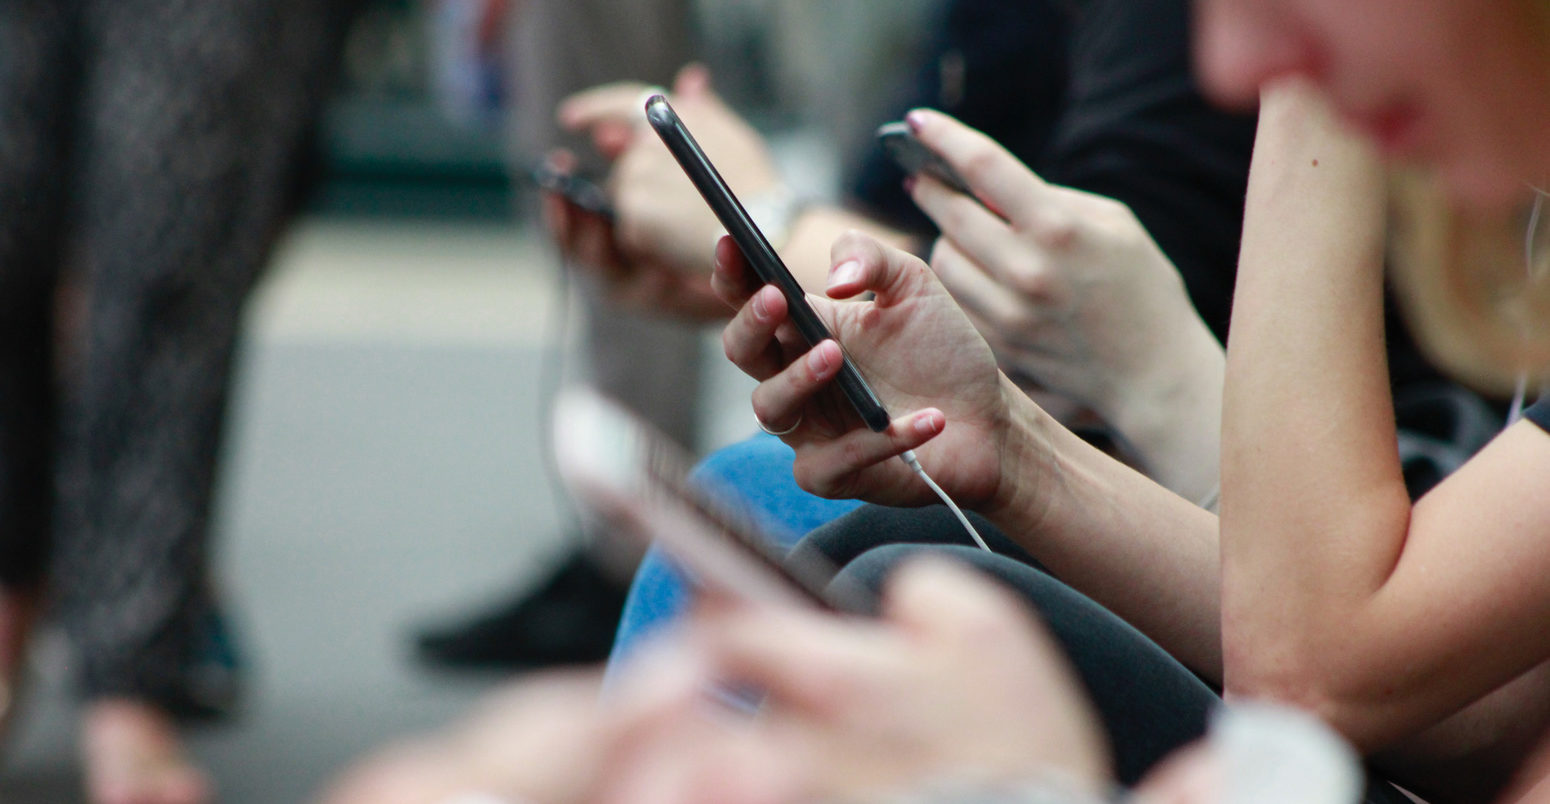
(148, 154)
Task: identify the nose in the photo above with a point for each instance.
(1242, 44)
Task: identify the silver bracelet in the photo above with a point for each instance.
(775, 211)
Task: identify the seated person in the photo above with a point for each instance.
(1091, 109)
(955, 694)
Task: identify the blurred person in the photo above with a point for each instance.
(556, 48)
(149, 154)
(1098, 318)
(1071, 95)
(1449, 700)
(954, 694)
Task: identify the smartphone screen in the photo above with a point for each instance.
(760, 254)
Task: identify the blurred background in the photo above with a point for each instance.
(384, 454)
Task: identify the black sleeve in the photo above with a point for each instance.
(997, 65)
(1137, 129)
(1539, 413)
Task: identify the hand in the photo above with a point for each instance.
(956, 681)
(550, 716)
(1066, 286)
(661, 217)
(547, 739)
(641, 284)
(916, 349)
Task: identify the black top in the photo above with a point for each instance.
(1098, 96)
(1539, 413)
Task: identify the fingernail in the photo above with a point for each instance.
(760, 308)
(845, 273)
(915, 119)
(909, 184)
(818, 359)
(928, 423)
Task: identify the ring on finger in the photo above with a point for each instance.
(777, 433)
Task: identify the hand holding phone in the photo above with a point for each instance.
(758, 252)
(915, 158)
(580, 191)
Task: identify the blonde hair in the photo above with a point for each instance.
(1475, 286)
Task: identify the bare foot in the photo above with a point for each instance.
(133, 756)
(18, 611)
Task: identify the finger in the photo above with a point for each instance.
(981, 232)
(749, 338)
(826, 467)
(556, 218)
(954, 600)
(807, 661)
(778, 401)
(731, 277)
(592, 242)
(692, 81)
(995, 175)
(981, 295)
(618, 102)
(861, 264)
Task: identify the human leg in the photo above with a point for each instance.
(36, 78)
(752, 476)
(653, 366)
(1149, 703)
(192, 116)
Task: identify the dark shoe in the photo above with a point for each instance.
(569, 618)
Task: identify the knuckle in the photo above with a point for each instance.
(1033, 283)
(730, 346)
(1058, 233)
(810, 479)
(980, 166)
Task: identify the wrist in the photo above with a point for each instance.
(1020, 501)
(775, 210)
(1169, 415)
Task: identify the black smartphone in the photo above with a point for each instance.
(577, 189)
(914, 157)
(759, 253)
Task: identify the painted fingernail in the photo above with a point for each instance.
(845, 273)
(915, 119)
(818, 360)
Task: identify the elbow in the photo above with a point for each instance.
(1287, 670)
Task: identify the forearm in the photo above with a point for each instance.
(813, 232)
(1172, 421)
(1142, 551)
(1314, 509)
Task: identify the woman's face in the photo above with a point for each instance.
(1460, 85)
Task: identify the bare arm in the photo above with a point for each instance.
(1336, 593)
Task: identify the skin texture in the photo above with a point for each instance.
(1132, 545)
(1460, 87)
(1071, 293)
(1338, 594)
(955, 679)
(655, 257)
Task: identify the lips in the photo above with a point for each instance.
(1396, 129)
